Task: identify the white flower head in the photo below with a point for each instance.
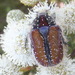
(29, 2)
(66, 18)
(16, 44)
(12, 16)
(7, 67)
(67, 67)
(42, 8)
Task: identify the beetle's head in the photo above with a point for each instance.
(43, 19)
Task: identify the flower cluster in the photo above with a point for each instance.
(29, 2)
(7, 67)
(67, 18)
(16, 41)
(65, 68)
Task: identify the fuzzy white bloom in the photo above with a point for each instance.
(14, 16)
(29, 2)
(7, 67)
(16, 40)
(66, 18)
(41, 7)
(66, 67)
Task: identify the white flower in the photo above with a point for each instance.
(7, 67)
(41, 7)
(29, 2)
(66, 18)
(66, 67)
(16, 41)
(12, 16)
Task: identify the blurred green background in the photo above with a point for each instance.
(7, 5)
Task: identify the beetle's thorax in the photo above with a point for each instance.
(43, 20)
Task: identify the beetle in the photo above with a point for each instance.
(46, 39)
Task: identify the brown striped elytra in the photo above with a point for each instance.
(46, 38)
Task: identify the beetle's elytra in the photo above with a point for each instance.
(47, 41)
